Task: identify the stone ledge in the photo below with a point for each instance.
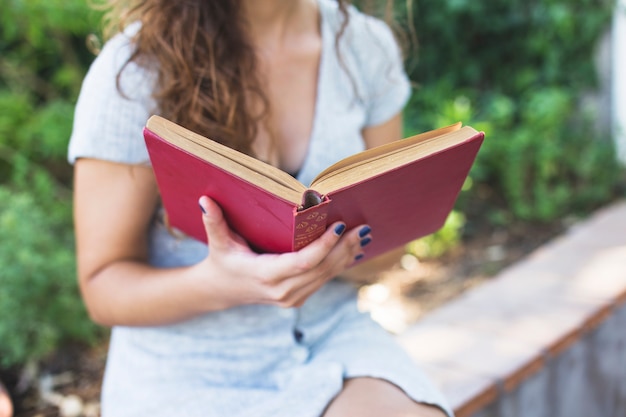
(494, 337)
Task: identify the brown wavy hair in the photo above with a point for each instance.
(205, 64)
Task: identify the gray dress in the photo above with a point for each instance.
(252, 360)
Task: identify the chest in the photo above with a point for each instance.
(290, 81)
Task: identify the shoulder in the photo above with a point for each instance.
(362, 31)
(114, 57)
(110, 112)
(370, 55)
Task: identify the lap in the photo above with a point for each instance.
(364, 397)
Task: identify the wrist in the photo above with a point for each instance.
(209, 289)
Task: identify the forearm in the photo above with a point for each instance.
(120, 288)
(131, 293)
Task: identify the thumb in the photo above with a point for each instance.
(219, 234)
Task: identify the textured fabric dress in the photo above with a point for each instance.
(253, 360)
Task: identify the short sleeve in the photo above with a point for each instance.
(108, 125)
(386, 85)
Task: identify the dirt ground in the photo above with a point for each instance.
(70, 380)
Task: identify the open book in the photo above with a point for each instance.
(404, 190)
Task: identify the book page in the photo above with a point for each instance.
(363, 169)
(368, 155)
(244, 166)
(345, 172)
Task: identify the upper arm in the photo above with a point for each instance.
(385, 132)
(113, 207)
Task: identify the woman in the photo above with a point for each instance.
(228, 332)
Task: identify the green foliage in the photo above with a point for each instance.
(440, 242)
(554, 165)
(43, 58)
(40, 307)
(518, 70)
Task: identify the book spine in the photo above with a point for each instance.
(309, 224)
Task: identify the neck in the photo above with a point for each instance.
(272, 22)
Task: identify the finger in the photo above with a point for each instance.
(300, 262)
(303, 286)
(342, 256)
(351, 244)
(319, 249)
(302, 293)
(294, 290)
(365, 238)
(350, 248)
(219, 234)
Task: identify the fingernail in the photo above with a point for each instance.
(365, 241)
(359, 257)
(364, 231)
(339, 229)
(202, 208)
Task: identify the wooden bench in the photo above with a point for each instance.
(544, 338)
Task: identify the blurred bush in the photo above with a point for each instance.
(39, 306)
(438, 243)
(43, 58)
(518, 70)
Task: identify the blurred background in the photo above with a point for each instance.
(543, 78)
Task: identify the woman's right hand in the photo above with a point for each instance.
(241, 276)
(113, 205)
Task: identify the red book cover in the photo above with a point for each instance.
(408, 202)
(400, 204)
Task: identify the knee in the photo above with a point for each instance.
(6, 406)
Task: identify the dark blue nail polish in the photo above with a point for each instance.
(359, 257)
(202, 208)
(339, 229)
(364, 231)
(365, 241)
